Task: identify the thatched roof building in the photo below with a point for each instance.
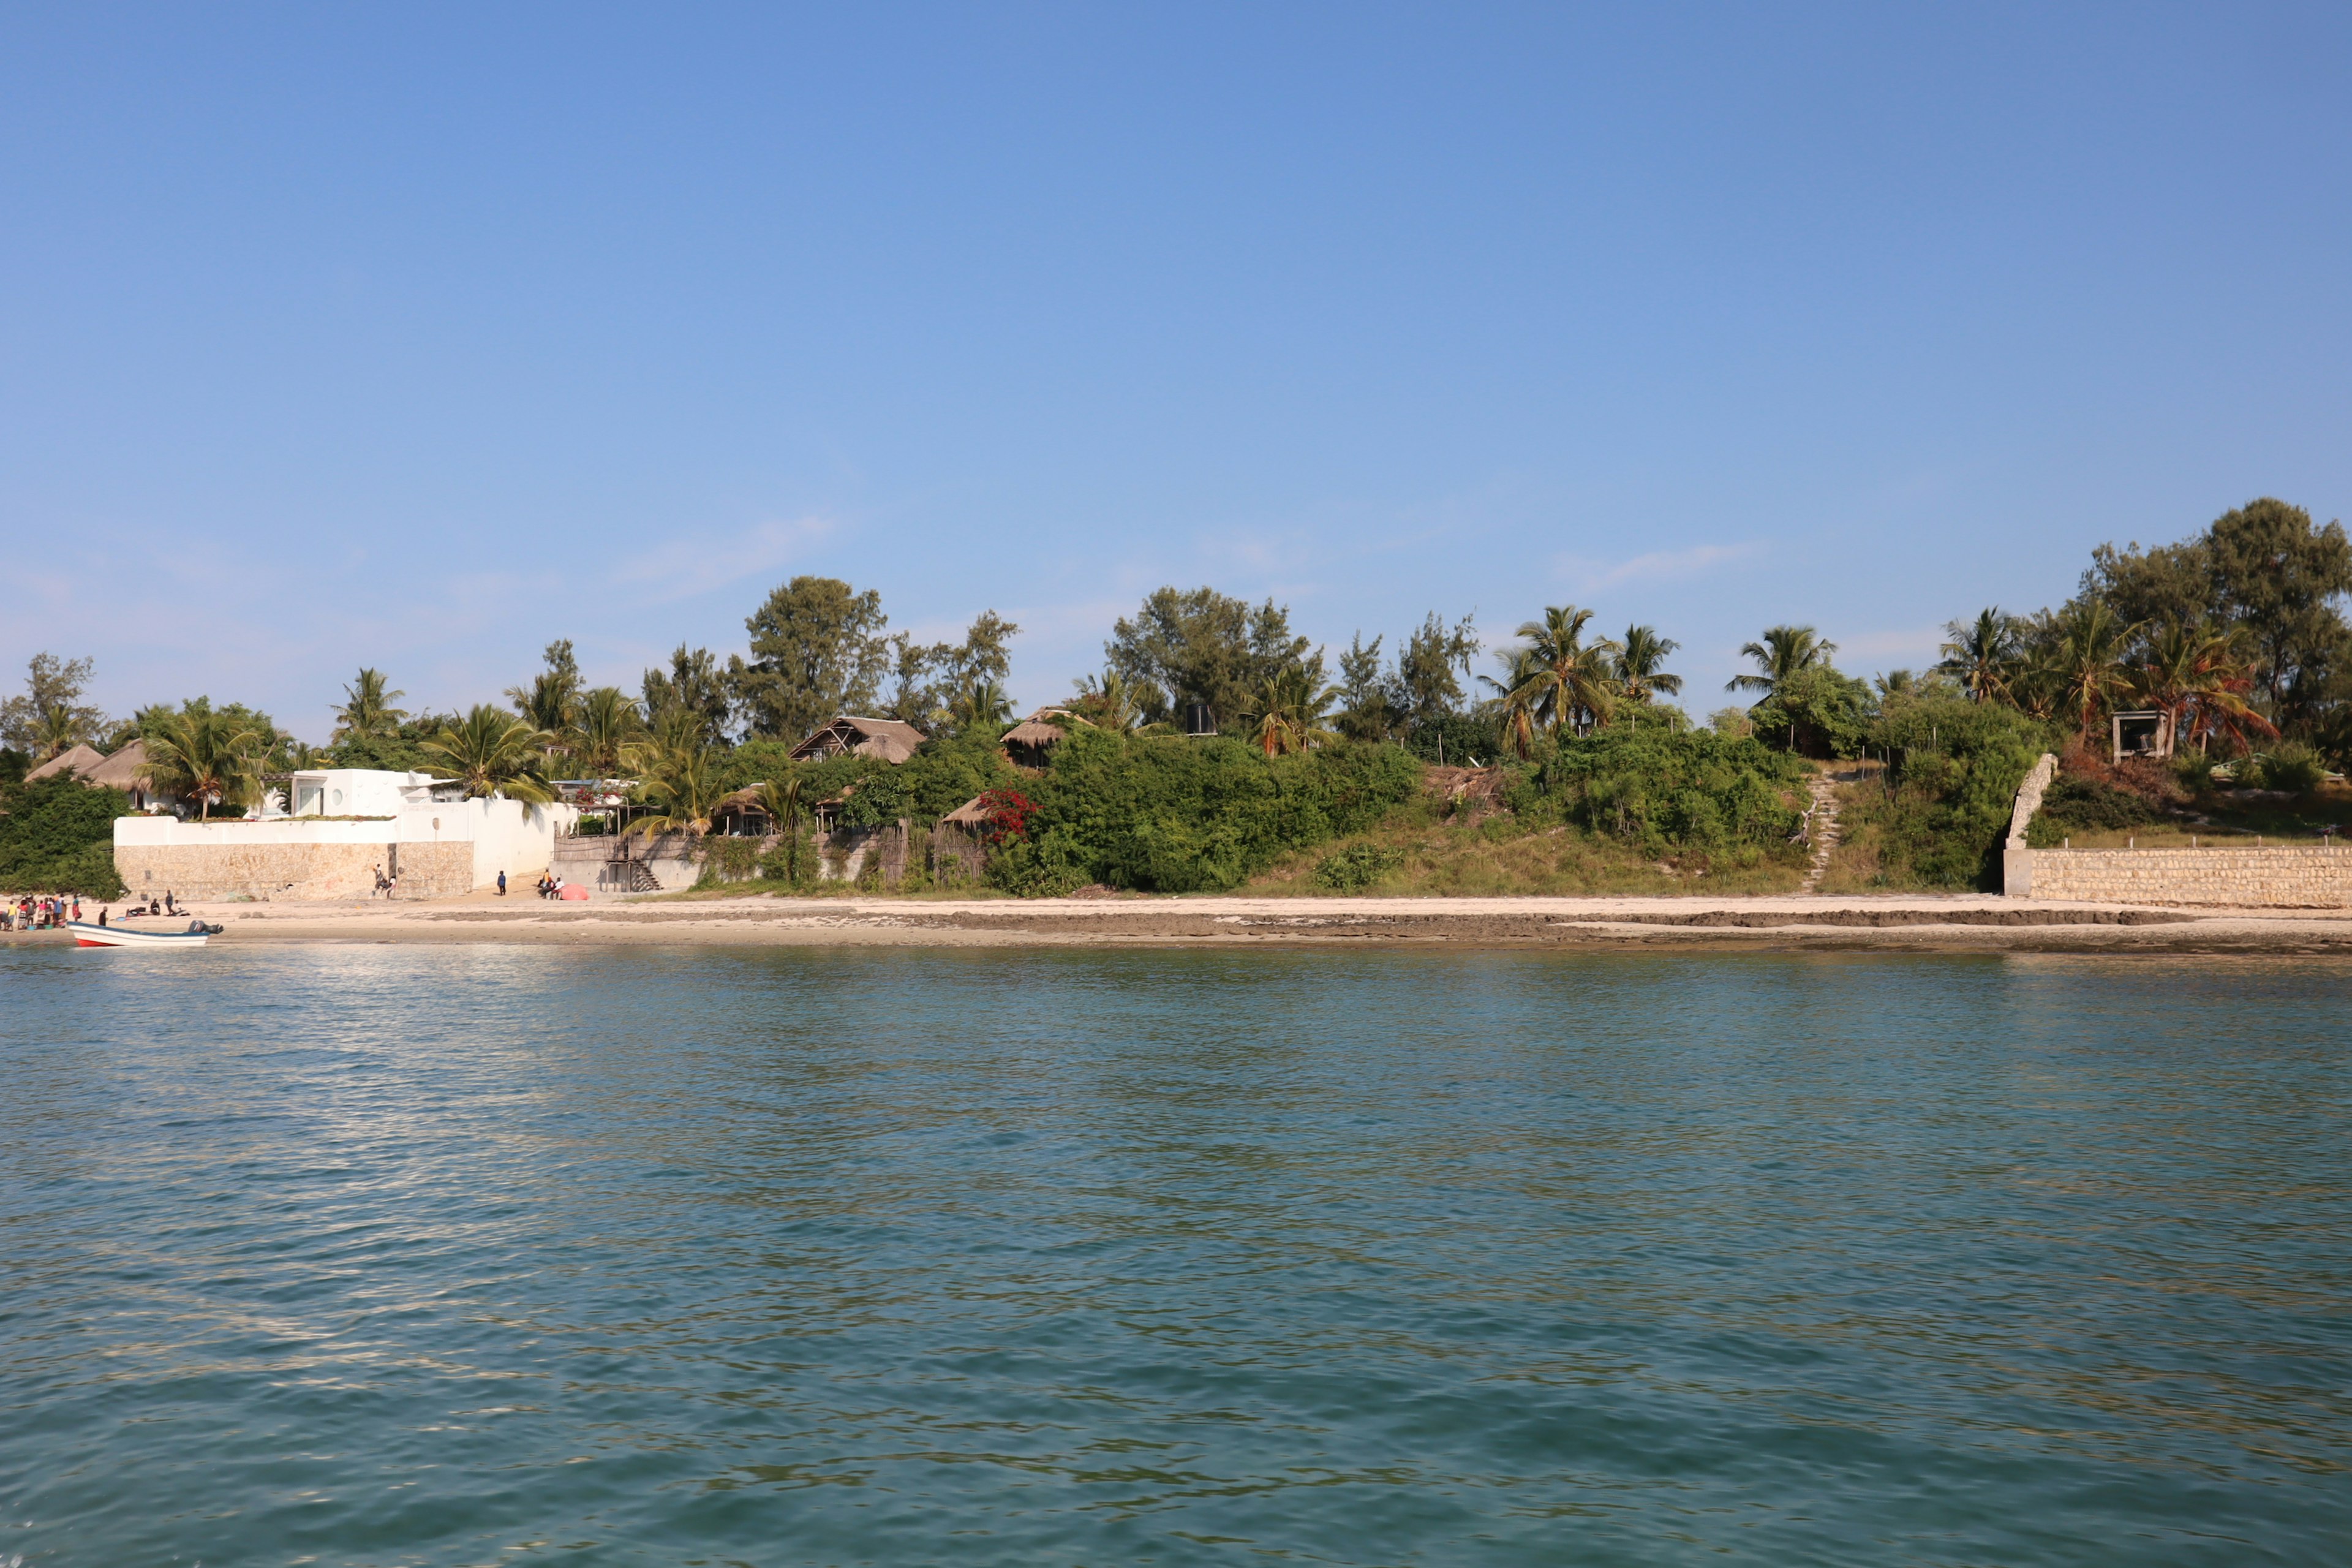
(970, 815)
(83, 760)
(892, 740)
(1027, 743)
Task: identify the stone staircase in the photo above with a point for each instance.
(1821, 829)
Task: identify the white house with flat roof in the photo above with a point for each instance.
(344, 827)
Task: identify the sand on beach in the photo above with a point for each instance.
(1963, 923)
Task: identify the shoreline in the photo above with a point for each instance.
(1883, 924)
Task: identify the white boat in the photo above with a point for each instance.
(87, 935)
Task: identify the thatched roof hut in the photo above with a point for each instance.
(121, 771)
(970, 815)
(849, 734)
(83, 760)
(1027, 743)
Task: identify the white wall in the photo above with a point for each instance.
(507, 835)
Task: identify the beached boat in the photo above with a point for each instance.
(89, 935)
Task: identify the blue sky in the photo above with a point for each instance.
(419, 336)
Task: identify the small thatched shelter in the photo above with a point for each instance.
(1027, 744)
(740, 814)
(892, 740)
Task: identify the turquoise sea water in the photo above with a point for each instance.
(473, 1255)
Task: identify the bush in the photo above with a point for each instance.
(58, 835)
(2291, 766)
(594, 826)
(2077, 804)
(726, 859)
(1183, 816)
(1818, 713)
(1357, 867)
(1695, 790)
(1953, 772)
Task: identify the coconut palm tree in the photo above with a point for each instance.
(494, 753)
(981, 707)
(1784, 652)
(1514, 702)
(2203, 680)
(1981, 655)
(781, 799)
(367, 713)
(683, 779)
(209, 758)
(1110, 702)
(2087, 663)
(608, 722)
(1571, 684)
(1640, 664)
(1292, 713)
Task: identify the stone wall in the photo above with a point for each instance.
(2297, 877)
(293, 872)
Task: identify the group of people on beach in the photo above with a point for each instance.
(551, 886)
(56, 911)
(32, 913)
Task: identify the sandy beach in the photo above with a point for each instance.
(1911, 923)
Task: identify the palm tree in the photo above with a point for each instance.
(981, 706)
(1981, 655)
(2088, 663)
(684, 780)
(608, 722)
(1571, 683)
(1514, 702)
(1109, 703)
(2202, 680)
(1785, 652)
(781, 800)
(56, 730)
(367, 713)
(494, 753)
(1292, 708)
(205, 757)
(1640, 664)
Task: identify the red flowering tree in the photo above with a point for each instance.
(1006, 815)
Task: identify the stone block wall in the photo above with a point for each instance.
(293, 872)
(2285, 877)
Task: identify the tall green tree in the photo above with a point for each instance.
(550, 703)
(608, 723)
(1291, 714)
(1784, 652)
(211, 759)
(493, 754)
(1109, 701)
(931, 678)
(1981, 655)
(1572, 684)
(2087, 664)
(49, 716)
(818, 649)
(367, 713)
(1640, 664)
(2282, 579)
(1203, 647)
(694, 685)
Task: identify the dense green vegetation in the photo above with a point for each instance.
(1332, 776)
(1936, 814)
(58, 835)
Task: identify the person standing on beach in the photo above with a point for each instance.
(502, 884)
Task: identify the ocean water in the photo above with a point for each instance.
(378, 1255)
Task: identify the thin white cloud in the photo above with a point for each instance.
(698, 563)
(1657, 566)
(1919, 642)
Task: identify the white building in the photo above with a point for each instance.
(347, 826)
